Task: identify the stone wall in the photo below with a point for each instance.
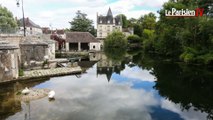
(51, 51)
(8, 65)
(12, 39)
(33, 53)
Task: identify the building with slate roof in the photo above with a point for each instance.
(31, 27)
(107, 24)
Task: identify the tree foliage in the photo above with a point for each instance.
(134, 39)
(82, 24)
(115, 40)
(7, 22)
(190, 39)
(124, 20)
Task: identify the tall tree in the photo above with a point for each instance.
(149, 21)
(82, 24)
(124, 20)
(7, 22)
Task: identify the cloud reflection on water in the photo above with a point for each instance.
(94, 98)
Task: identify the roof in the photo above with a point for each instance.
(107, 71)
(6, 46)
(28, 23)
(46, 38)
(108, 19)
(30, 42)
(109, 13)
(46, 30)
(83, 37)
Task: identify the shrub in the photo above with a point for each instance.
(134, 39)
(115, 40)
(21, 72)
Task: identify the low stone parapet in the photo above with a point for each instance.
(50, 72)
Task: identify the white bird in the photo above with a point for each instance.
(25, 91)
(46, 57)
(51, 94)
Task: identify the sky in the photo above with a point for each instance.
(58, 13)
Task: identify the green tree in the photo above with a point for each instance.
(124, 20)
(148, 40)
(134, 39)
(149, 21)
(7, 22)
(82, 24)
(115, 40)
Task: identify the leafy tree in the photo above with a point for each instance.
(7, 22)
(149, 21)
(148, 40)
(131, 22)
(115, 40)
(82, 23)
(124, 20)
(134, 39)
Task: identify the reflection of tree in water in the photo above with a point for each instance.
(10, 105)
(189, 86)
(115, 54)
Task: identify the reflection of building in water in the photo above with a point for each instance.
(8, 61)
(108, 67)
(10, 105)
(94, 56)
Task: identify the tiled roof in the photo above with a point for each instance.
(46, 30)
(28, 23)
(83, 37)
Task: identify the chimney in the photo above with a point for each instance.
(27, 22)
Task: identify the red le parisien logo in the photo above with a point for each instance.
(184, 12)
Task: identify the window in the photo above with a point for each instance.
(108, 21)
(93, 46)
(100, 21)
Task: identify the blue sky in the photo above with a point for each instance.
(59, 12)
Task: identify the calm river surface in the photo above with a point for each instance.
(130, 89)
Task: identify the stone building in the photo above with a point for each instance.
(36, 49)
(81, 41)
(107, 24)
(31, 27)
(9, 60)
(128, 31)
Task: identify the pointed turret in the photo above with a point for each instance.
(109, 13)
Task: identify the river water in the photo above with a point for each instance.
(129, 89)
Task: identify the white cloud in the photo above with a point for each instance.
(186, 114)
(92, 98)
(137, 73)
(41, 12)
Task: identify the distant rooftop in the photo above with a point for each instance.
(28, 23)
(83, 37)
(108, 19)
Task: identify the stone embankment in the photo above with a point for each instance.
(50, 72)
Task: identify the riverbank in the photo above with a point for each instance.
(45, 73)
(50, 72)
